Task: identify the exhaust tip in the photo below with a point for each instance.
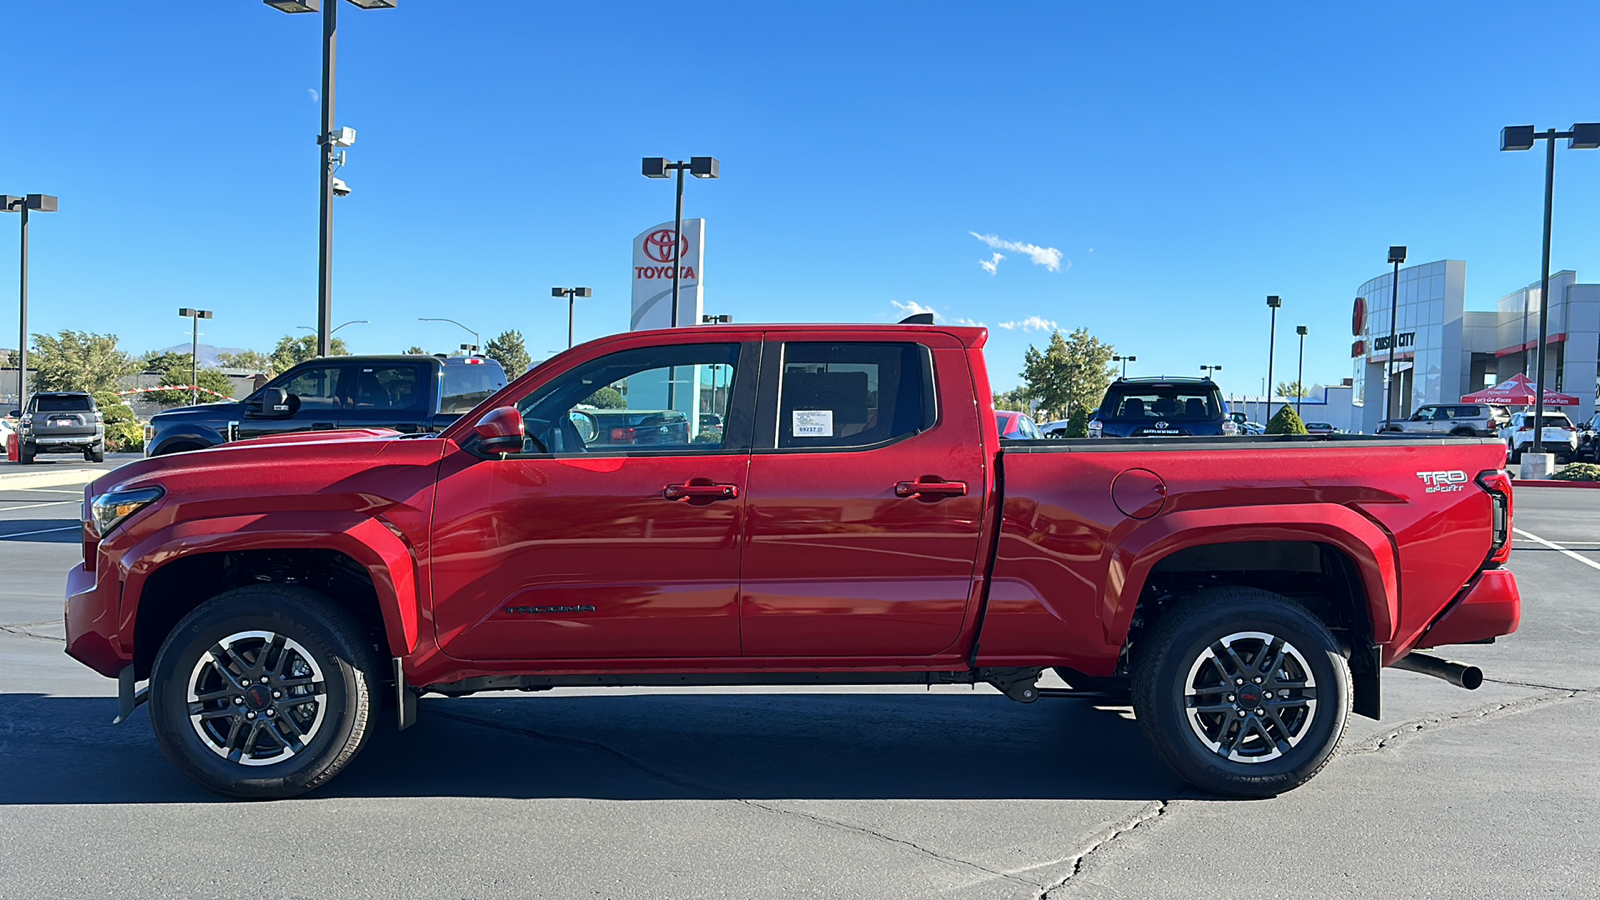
(1471, 678)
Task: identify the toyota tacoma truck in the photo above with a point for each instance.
(854, 519)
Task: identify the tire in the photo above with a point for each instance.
(292, 636)
(1513, 453)
(1184, 662)
(96, 453)
(1463, 432)
(25, 454)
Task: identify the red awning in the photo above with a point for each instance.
(1518, 391)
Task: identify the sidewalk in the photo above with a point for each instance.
(14, 477)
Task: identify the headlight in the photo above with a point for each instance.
(113, 506)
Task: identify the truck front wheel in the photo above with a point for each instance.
(1242, 692)
(264, 691)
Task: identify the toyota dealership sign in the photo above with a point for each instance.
(654, 257)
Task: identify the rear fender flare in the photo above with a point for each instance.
(1324, 523)
(368, 540)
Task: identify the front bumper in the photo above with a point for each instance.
(92, 610)
(1489, 607)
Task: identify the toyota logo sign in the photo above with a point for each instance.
(658, 245)
(1359, 317)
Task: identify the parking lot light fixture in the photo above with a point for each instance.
(1300, 373)
(1205, 371)
(1124, 360)
(1397, 255)
(195, 315)
(571, 294)
(24, 205)
(1581, 136)
(699, 167)
(328, 137)
(475, 339)
(1273, 303)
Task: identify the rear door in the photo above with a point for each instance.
(387, 394)
(865, 499)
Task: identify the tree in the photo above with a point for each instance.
(606, 398)
(6, 361)
(1287, 421)
(78, 361)
(1014, 399)
(123, 434)
(177, 369)
(292, 351)
(1069, 378)
(1292, 389)
(249, 360)
(414, 350)
(509, 350)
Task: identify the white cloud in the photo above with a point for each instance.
(970, 323)
(1031, 323)
(1049, 257)
(991, 265)
(913, 308)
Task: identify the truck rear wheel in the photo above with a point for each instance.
(264, 691)
(1242, 692)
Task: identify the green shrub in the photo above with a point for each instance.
(1578, 472)
(1287, 421)
(124, 434)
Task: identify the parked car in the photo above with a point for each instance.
(1054, 429)
(404, 393)
(606, 428)
(1252, 428)
(1458, 419)
(1016, 426)
(858, 522)
(1589, 440)
(60, 422)
(1320, 428)
(1162, 407)
(1559, 435)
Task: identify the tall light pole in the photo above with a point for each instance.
(25, 204)
(699, 167)
(327, 139)
(1273, 302)
(195, 315)
(1124, 360)
(1582, 136)
(570, 294)
(1397, 255)
(475, 340)
(1300, 374)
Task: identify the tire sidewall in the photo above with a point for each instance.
(216, 619)
(1159, 698)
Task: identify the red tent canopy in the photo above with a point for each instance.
(1518, 391)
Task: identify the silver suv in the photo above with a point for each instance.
(61, 422)
(1457, 419)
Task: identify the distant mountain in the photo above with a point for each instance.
(208, 354)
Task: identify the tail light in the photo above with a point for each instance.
(1497, 484)
(622, 436)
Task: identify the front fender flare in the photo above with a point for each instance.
(371, 542)
(1325, 523)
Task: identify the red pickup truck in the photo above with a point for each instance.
(839, 510)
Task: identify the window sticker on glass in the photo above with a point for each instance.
(813, 423)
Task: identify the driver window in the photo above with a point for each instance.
(317, 387)
(647, 399)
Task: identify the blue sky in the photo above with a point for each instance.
(1181, 160)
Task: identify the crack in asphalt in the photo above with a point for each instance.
(21, 630)
(1149, 814)
(1547, 687)
(716, 793)
(1405, 732)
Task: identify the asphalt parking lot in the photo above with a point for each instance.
(867, 792)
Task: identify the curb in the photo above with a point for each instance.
(16, 481)
(1543, 483)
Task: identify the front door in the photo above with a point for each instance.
(315, 400)
(866, 500)
(615, 534)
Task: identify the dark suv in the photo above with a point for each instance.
(61, 422)
(1162, 407)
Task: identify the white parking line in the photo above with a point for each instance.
(1558, 548)
(47, 531)
(42, 490)
(35, 505)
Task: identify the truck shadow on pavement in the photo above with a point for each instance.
(56, 750)
(41, 531)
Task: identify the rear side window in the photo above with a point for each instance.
(392, 387)
(465, 386)
(64, 404)
(1178, 403)
(853, 394)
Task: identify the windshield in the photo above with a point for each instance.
(1179, 403)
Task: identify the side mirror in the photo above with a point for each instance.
(500, 430)
(275, 404)
(15, 414)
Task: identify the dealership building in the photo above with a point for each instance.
(1442, 352)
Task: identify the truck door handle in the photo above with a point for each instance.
(924, 488)
(704, 491)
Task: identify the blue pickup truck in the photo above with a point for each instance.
(1162, 407)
